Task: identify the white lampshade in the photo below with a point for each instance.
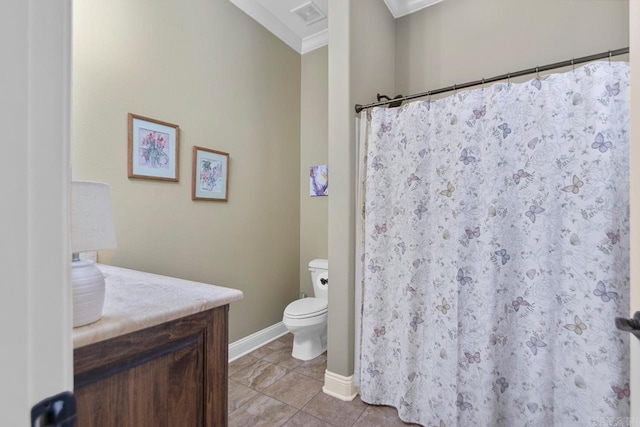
(91, 217)
(91, 230)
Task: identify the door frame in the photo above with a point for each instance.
(634, 177)
(35, 295)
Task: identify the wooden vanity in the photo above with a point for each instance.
(158, 356)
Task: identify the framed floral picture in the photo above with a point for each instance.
(210, 175)
(154, 149)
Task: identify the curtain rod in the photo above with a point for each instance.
(507, 76)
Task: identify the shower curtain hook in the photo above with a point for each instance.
(537, 73)
(573, 66)
(509, 78)
(609, 57)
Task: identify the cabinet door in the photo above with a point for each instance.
(173, 374)
(163, 388)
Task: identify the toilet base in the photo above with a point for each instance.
(309, 346)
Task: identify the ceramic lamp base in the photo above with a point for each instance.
(88, 292)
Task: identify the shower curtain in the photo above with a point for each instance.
(495, 254)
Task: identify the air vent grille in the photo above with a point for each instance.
(309, 13)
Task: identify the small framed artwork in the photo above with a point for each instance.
(210, 175)
(154, 149)
(319, 180)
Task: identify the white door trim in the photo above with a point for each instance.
(35, 295)
(634, 143)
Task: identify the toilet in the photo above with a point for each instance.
(306, 318)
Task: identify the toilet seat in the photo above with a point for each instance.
(305, 308)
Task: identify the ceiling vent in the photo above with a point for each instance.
(309, 13)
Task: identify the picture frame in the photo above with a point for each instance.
(154, 149)
(210, 175)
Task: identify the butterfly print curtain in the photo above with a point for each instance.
(495, 253)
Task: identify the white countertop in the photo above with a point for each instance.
(135, 300)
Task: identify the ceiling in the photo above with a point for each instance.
(302, 24)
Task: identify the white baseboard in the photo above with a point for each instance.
(246, 345)
(339, 387)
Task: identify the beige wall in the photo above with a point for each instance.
(361, 40)
(457, 41)
(231, 86)
(313, 151)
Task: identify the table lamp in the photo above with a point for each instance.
(91, 230)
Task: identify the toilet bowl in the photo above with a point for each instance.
(306, 318)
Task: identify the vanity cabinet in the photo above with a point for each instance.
(170, 373)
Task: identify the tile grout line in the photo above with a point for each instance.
(359, 416)
(308, 374)
(244, 403)
(299, 409)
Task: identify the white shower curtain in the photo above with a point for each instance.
(495, 254)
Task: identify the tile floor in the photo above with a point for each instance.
(268, 387)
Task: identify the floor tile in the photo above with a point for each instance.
(261, 411)
(294, 389)
(238, 395)
(335, 411)
(261, 352)
(380, 416)
(268, 387)
(283, 358)
(259, 375)
(241, 363)
(302, 419)
(286, 340)
(314, 368)
(277, 344)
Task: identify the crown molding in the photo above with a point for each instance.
(315, 41)
(400, 8)
(277, 27)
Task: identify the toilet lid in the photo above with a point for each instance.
(306, 307)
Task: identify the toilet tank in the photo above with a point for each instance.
(319, 269)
